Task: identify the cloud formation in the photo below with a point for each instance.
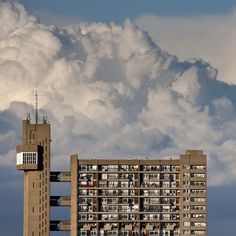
(110, 91)
(211, 37)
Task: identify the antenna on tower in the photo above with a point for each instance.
(36, 104)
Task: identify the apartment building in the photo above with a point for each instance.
(109, 197)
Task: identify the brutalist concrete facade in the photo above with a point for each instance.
(33, 156)
(113, 197)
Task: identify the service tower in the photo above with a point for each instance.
(33, 157)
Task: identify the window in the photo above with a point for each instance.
(198, 191)
(124, 167)
(186, 175)
(165, 168)
(124, 192)
(124, 233)
(198, 232)
(83, 233)
(113, 184)
(112, 167)
(186, 215)
(153, 233)
(186, 183)
(112, 233)
(198, 183)
(199, 167)
(112, 176)
(186, 207)
(187, 166)
(83, 167)
(196, 175)
(165, 216)
(186, 191)
(154, 176)
(186, 199)
(197, 199)
(27, 158)
(186, 223)
(82, 217)
(199, 216)
(199, 224)
(154, 200)
(198, 208)
(186, 232)
(124, 184)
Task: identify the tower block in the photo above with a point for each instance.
(33, 157)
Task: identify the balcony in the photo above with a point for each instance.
(86, 185)
(88, 168)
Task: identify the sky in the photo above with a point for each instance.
(121, 79)
(117, 11)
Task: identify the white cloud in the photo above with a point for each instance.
(211, 37)
(187, 85)
(110, 91)
(8, 158)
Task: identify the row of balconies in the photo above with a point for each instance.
(123, 194)
(94, 168)
(127, 208)
(130, 177)
(89, 183)
(123, 232)
(130, 201)
(142, 216)
(144, 184)
(128, 217)
(129, 185)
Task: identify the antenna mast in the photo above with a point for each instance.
(36, 105)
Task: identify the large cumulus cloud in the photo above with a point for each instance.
(211, 37)
(110, 91)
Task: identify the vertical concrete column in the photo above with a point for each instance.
(26, 208)
(191, 157)
(74, 194)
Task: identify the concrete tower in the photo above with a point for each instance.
(33, 157)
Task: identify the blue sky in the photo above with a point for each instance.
(221, 201)
(117, 11)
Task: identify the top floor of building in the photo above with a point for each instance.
(191, 160)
